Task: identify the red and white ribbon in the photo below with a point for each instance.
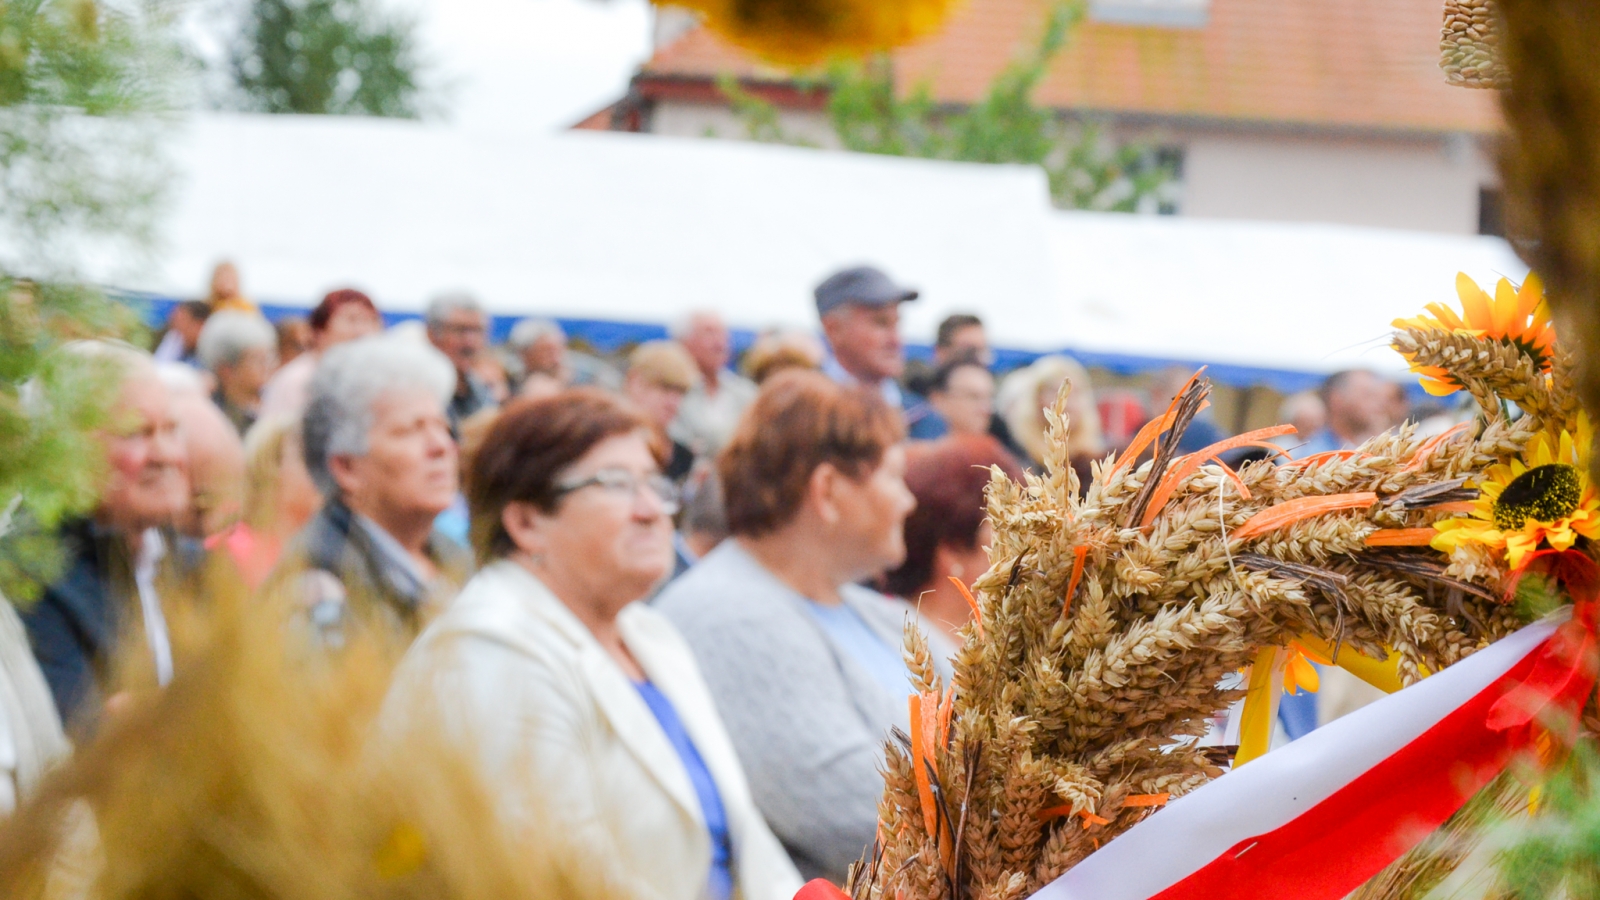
(1319, 817)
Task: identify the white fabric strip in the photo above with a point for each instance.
(151, 551)
(1277, 788)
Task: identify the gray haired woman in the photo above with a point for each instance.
(241, 350)
(377, 443)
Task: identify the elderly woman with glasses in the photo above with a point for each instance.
(583, 705)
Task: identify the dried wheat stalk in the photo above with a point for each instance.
(1468, 46)
(1109, 622)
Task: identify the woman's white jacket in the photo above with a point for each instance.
(575, 758)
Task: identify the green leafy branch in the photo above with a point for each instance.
(868, 114)
(84, 89)
(327, 57)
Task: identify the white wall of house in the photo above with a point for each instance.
(1421, 184)
(677, 119)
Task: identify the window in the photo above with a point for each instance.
(1491, 212)
(1163, 162)
(1159, 13)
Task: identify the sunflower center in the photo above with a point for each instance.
(1544, 493)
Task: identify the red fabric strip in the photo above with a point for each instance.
(1335, 846)
(819, 889)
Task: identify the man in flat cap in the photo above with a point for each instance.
(860, 312)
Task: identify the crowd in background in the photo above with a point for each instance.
(664, 594)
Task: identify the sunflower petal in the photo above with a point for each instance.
(1475, 304)
(1530, 296)
(1438, 388)
(1503, 311)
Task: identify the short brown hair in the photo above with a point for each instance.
(799, 421)
(529, 446)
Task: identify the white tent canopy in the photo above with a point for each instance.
(1299, 297)
(596, 226)
(643, 229)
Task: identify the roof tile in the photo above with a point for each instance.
(1363, 64)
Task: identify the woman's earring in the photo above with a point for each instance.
(958, 570)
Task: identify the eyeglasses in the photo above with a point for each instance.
(622, 482)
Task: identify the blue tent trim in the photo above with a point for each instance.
(608, 336)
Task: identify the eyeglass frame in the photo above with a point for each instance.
(660, 486)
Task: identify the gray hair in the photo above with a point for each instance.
(347, 385)
(229, 335)
(1293, 404)
(685, 324)
(181, 379)
(119, 362)
(120, 356)
(528, 331)
(440, 307)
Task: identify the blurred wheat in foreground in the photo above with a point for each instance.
(255, 774)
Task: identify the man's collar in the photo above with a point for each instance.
(832, 368)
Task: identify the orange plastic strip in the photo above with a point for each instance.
(1460, 506)
(1244, 492)
(1192, 463)
(977, 614)
(1148, 800)
(1426, 450)
(1153, 428)
(919, 772)
(945, 710)
(932, 735)
(1078, 555)
(1291, 511)
(1401, 537)
(1326, 456)
(1090, 819)
(1272, 448)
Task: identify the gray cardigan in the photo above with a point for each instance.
(807, 721)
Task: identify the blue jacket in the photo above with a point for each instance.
(75, 624)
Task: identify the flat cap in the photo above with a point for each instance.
(861, 285)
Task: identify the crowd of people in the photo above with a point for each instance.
(665, 598)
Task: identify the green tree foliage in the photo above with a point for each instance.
(82, 88)
(78, 168)
(327, 57)
(867, 113)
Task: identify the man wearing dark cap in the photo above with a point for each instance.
(860, 312)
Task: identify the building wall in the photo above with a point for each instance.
(1425, 183)
(678, 119)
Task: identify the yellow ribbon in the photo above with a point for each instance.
(1261, 694)
(1260, 708)
(1382, 674)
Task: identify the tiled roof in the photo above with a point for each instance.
(599, 120)
(1357, 64)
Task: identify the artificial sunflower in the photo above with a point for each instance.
(1299, 675)
(800, 32)
(1515, 316)
(1544, 498)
